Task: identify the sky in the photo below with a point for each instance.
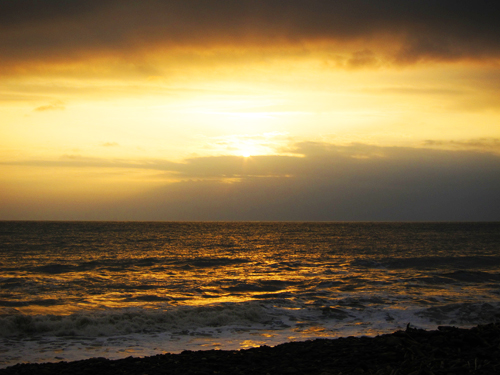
(318, 110)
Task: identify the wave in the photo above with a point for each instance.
(258, 286)
(134, 320)
(126, 264)
(462, 313)
(206, 262)
(473, 276)
(36, 302)
(429, 262)
(459, 277)
(273, 314)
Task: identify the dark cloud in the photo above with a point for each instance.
(29, 12)
(426, 29)
(329, 182)
(319, 181)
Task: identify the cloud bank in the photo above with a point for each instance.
(404, 31)
(334, 183)
(316, 181)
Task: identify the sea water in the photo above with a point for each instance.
(76, 290)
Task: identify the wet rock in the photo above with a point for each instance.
(448, 350)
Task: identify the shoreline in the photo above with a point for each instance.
(448, 350)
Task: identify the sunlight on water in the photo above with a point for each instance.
(116, 289)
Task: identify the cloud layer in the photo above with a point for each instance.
(317, 181)
(134, 86)
(329, 182)
(407, 31)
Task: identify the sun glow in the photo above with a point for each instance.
(250, 148)
(247, 145)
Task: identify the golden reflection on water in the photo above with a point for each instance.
(296, 268)
(257, 279)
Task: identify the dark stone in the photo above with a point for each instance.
(448, 350)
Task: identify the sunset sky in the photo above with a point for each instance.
(249, 110)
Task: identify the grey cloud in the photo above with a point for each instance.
(332, 183)
(480, 144)
(321, 182)
(217, 167)
(428, 29)
(329, 183)
(316, 160)
(360, 59)
(22, 12)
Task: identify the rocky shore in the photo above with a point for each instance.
(447, 350)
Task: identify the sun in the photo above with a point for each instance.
(248, 145)
(248, 149)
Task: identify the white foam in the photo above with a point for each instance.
(141, 332)
(112, 322)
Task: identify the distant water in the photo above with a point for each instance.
(75, 290)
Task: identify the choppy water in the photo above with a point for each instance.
(74, 290)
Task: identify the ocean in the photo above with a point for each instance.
(76, 290)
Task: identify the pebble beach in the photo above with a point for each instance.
(447, 350)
